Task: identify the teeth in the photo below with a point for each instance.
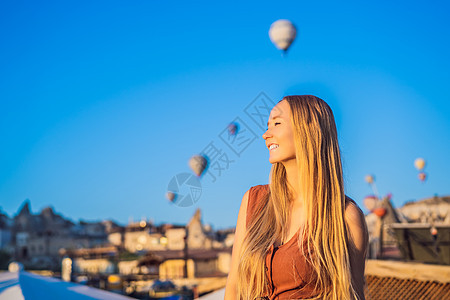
(273, 146)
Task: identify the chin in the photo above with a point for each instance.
(273, 160)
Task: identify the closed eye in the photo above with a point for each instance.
(274, 124)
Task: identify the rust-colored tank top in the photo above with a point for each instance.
(289, 274)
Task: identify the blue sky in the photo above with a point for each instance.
(102, 103)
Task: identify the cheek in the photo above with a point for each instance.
(292, 147)
(288, 137)
(290, 142)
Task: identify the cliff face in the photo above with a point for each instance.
(434, 210)
(430, 210)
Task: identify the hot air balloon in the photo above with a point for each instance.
(233, 128)
(369, 179)
(370, 202)
(170, 196)
(422, 176)
(380, 212)
(198, 164)
(419, 163)
(282, 33)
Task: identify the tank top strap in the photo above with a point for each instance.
(255, 194)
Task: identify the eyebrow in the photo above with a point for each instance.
(276, 117)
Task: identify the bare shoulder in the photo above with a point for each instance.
(356, 224)
(244, 203)
(243, 212)
(358, 237)
(231, 286)
(353, 213)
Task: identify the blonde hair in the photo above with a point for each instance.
(322, 189)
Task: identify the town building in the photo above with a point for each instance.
(417, 231)
(5, 230)
(36, 239)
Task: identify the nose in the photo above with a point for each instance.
(266, 135)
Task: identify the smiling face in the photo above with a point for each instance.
(280, 135)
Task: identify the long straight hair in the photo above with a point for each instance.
(321, 188)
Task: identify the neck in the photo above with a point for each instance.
(292, 179)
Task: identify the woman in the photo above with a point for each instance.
(299, 237)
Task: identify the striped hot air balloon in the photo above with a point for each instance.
(370, 202)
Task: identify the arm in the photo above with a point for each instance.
(358, 242)
(230, 289)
